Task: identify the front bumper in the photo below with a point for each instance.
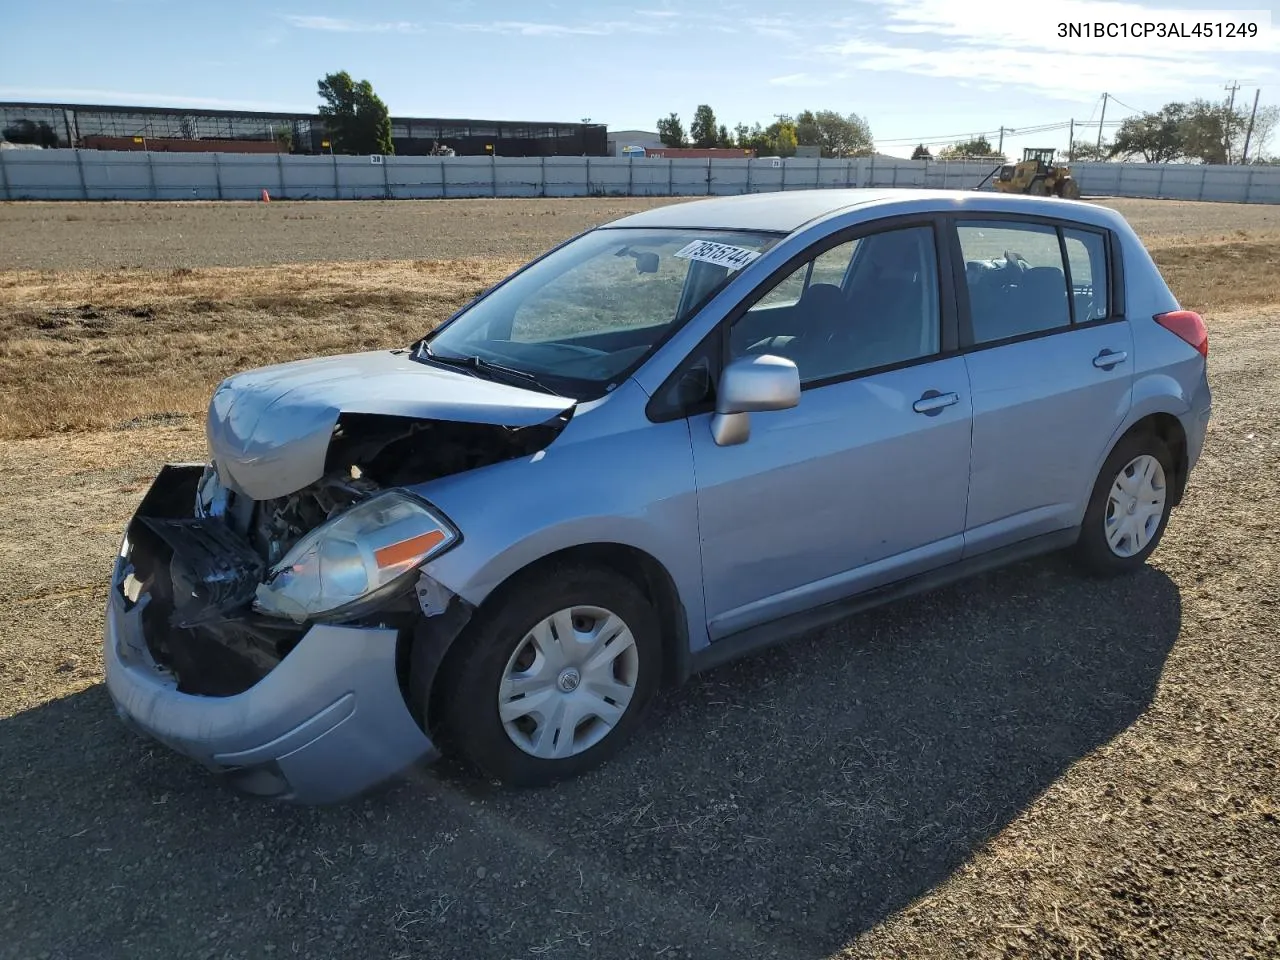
(325, 724)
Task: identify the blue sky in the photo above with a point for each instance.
(918, 69)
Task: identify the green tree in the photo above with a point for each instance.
(1088, 151)
(671, 131)
(921, 152)
(1198, 130)
(1209, 131)
(759, 140)
(842, 136)
(703, 128)
(722, 137)
(284, 138)
(742, 136)
(1156, 137)
(784, 141)
(977, 148)
(1264, 125)
(808, 132)
(357, 119)
(1212, 133)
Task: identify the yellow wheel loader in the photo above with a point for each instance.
(1037, 175)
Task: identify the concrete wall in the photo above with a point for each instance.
(107, 175)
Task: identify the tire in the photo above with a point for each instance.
(512, 644)
(1105, 524)
(1069, 189)
(1038, 188)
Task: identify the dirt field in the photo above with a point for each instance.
(156, 303)
(1027, 765)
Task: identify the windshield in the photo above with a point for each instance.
(584, 317)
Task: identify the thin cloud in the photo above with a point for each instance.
(798, 80)
(773, 27)
(340, 25)
(526, 28)
(127, 98)
(942, 38)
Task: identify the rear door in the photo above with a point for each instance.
(1048, 353)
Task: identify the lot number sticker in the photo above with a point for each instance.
(721, 254)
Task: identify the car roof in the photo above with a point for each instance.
(788, 211)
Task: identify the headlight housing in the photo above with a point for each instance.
(354, 559)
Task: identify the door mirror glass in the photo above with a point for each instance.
(752, 385)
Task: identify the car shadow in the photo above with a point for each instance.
(785, 803)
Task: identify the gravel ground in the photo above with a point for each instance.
(106, 236)
(1028, 764)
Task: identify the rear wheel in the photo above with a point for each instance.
(1068, 189)
(1129, 507)
(555, 679)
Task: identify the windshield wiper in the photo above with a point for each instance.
(478, 365)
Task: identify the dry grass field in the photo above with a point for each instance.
(1027, 765)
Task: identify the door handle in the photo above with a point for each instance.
(1106, 359)
(932, 402)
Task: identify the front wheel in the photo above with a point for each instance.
(554, 679)
(1129, 507)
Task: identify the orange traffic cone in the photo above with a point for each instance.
(266, 197)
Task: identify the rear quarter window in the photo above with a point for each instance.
(1090, 278)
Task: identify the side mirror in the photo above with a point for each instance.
(752, 385)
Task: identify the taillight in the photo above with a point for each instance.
(1188, 325)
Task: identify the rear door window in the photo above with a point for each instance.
(1016, 278)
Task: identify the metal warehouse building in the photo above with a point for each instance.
(173, 129)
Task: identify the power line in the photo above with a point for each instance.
(1125, 105)
(940, 137)
(988, 134)
(973, 135)
(1093, 112)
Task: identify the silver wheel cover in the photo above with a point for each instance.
(1135, 506)
(568, 682)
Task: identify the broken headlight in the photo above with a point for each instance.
(355, 558)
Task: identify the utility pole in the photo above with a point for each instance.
(1100, 121)
(1244, 154)
(1231, 104)
(1000, 148)
(1071, 142)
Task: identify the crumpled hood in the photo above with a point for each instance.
(269, 429)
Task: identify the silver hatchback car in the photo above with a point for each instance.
(666, 443)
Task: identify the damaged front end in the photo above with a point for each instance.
(274, 639)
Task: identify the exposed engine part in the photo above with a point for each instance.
(214, 571)
(195, 576)
(367, 453)
(211, 495)
(397, 451)
(279, 524)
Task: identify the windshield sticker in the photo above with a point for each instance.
(722, 254)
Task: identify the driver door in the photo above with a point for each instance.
(865, 481)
